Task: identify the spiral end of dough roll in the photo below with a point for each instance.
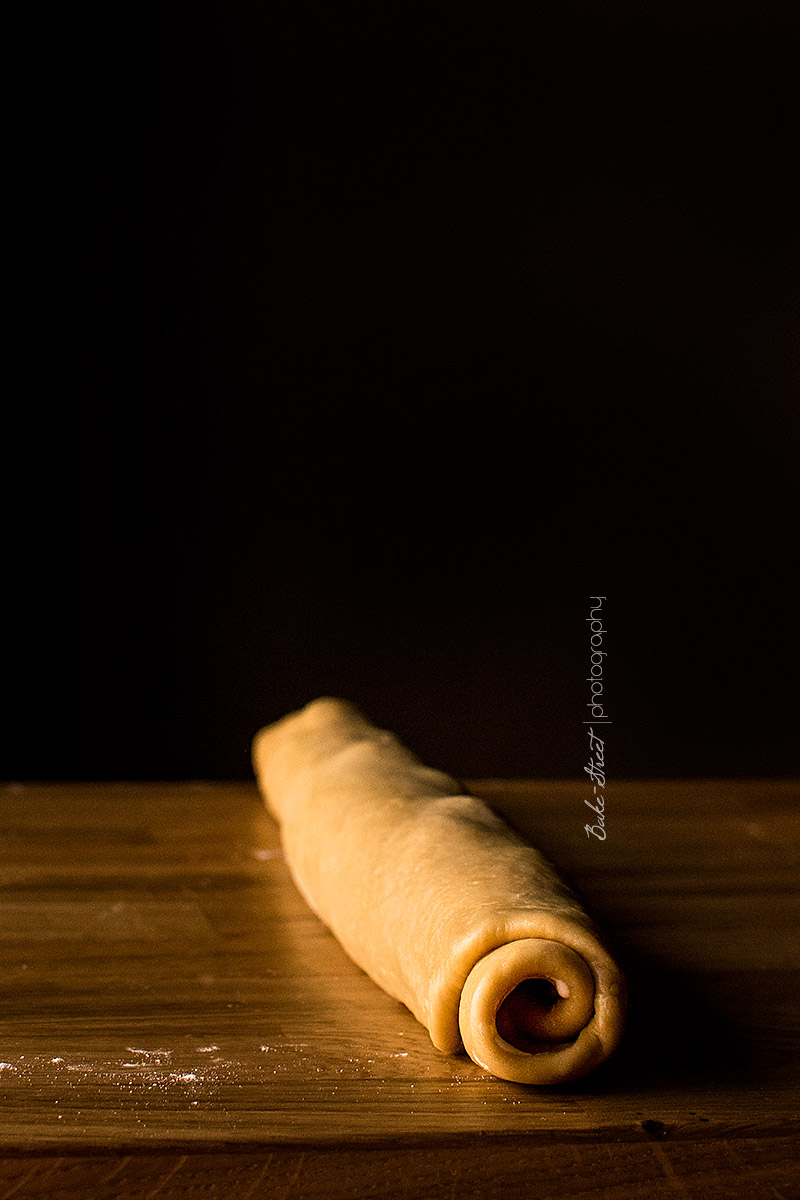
(528, 1014)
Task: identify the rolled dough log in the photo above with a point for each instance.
(439, 900)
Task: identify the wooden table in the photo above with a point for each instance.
(177, 1024)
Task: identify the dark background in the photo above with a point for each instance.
(406, 328)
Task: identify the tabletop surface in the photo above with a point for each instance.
(177, 1023)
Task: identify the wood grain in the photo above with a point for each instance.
(175, 1022)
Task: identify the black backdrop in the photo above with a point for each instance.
(406, 329)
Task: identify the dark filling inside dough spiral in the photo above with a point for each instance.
(524, 1015)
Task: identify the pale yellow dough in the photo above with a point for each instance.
(438, 899)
